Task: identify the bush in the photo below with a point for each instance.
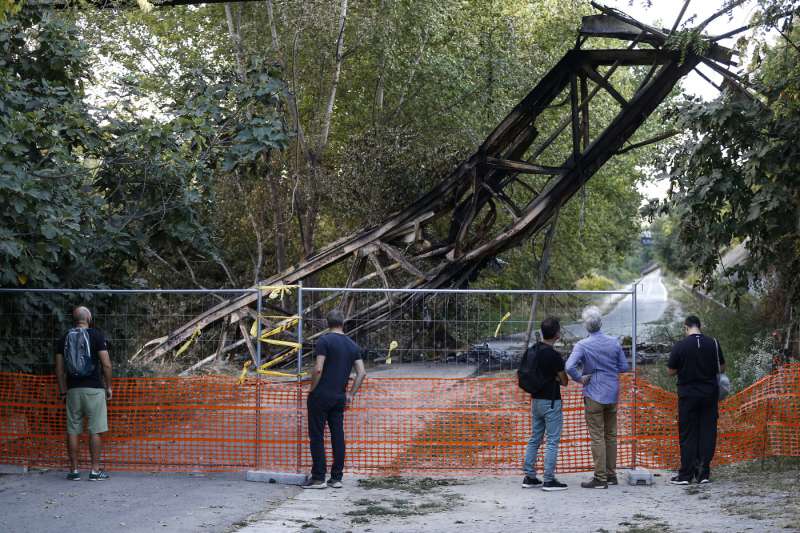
(594, 282)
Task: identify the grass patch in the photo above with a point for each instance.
(402, 507)
(408, 484)
(764, 489)
(651, 524)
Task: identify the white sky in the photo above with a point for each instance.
(663, 13)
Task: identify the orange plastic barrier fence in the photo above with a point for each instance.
(396, 425)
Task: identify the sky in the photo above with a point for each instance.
(663, 13)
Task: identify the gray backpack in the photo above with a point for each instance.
(78, 353)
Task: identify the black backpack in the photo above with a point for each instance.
(78, 353)
(530, 377)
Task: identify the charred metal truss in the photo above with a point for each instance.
(534, 161)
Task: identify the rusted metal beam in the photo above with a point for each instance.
(522, 167)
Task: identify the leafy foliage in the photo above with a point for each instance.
(735, 178)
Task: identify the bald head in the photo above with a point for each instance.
(82, 315)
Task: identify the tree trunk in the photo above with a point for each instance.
(544, 266)
(326, 120)
(236, 39)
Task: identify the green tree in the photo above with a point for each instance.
(735, 175)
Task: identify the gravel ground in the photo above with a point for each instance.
(739, 500)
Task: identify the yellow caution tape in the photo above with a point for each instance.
(277, 360)
(243, 375)
(281, 374)
(392, 347)
(505, 317)
(280, 328)
(189, 342)
(277, 291)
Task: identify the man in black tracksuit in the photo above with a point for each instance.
(696, 360)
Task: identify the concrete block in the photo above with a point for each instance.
(13, 469)
(640, 476)
(283, 478)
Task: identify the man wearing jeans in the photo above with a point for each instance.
(328, 398)
(596, 362)
(546, 416)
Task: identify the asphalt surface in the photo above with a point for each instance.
(652, 301)
(40, 502)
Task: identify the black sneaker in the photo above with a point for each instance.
(98, 476)
(529, 482)
(74, 476)
(335, 483)
(315, 484)
(678, 480)
(594, 483)
(704, 480)
(612, 480)
(554, 485)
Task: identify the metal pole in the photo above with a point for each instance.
(634, 328)
(300, 328)
(299, 369)
(258, 329)
(258, 381)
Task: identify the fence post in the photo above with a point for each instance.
(634, 328)
(258, 379)
(299, 370)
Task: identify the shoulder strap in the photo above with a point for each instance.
(716, 356)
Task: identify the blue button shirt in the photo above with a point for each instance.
(600, 356)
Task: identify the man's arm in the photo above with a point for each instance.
(673, 364)
(105, 362)
(622, 361)
(721, 358)
(61, 376)
(361, 373)
(571, 368)
(316, 374)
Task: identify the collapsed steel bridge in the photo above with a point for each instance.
(534, 161)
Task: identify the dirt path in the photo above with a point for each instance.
(733, 503)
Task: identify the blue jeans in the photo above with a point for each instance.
(549, 420)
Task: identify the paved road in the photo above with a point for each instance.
(652, 300)
(132, 502)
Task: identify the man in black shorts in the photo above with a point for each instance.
(696, 360)
(328, 398)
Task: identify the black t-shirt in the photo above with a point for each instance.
(97, 343)
(549, 362)
(695, 359)
(340, 353)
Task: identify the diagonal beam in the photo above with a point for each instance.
(398, 256)
(522, 166)
(604, 83)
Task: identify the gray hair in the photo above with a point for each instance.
(592, 319)
(82, 314)
(335, 318)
